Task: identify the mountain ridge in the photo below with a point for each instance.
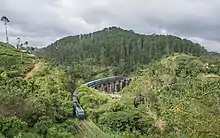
(121, 50)
(122, 30)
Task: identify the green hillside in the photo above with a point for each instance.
(175, 97)
(34, 99)
(14, 62)
(114, 51)
(174, 94)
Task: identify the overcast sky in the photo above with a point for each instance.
(41, 22)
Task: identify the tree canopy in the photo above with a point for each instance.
(172, 94)
(174, 97)
(120, 50)
(37, 106)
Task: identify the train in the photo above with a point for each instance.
(79, 112)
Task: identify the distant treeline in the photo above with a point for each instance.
(117, 47)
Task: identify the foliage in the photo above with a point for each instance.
(114, 51)
(38, 106)
(13, 62)
(173, 97)
(12, 126)
(177, 96)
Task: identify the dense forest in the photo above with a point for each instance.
(116, 50)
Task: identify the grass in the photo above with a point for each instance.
(13, 61)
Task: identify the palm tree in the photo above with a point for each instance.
(18, 44)
(26, 43)
(21, 46)
(5, 20)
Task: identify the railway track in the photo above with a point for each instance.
(84, 127)
(88, 129)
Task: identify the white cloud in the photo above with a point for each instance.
(43, 21)
(211, 45)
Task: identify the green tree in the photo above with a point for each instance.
(6, 21)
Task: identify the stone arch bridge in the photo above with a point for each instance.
(108, 85)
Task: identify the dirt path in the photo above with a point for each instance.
(212, 76)
(36, 66)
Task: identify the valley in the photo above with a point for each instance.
(174, 91)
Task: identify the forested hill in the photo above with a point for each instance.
(117, 47)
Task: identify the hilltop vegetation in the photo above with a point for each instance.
(173, 97)
(39, 106)
(14, 62)
(114, 51)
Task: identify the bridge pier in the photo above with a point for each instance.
(116, 86)
(119, 86)
(108, 87)
(102, 87)
(99, 87)
(123, 84)
(112, 86)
